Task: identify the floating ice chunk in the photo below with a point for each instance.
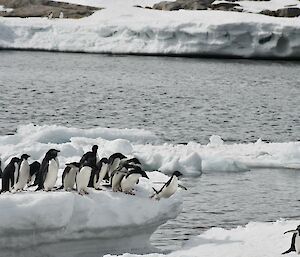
(215, 140)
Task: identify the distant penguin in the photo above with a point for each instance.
(83, 178)
(131, 179)
(0, 169)
(295, 244)
(69, 175)
(102, 168)
(169, 188)
(8, 176)
(48, 171)
(23, 173)
(50, 15)
(114, 162)
(61, 15)
(33, 171)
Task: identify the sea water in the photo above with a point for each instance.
(180, 100)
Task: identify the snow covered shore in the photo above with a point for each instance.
(102, 221)
(124, 29)
(254, 239)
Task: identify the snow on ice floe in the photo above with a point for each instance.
(32, 219)
(122, 28)
(191, 159)
(253, 240)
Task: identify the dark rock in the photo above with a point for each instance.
(183, 4)
(42, 8)
(224, 6)
(285, 12)
(288, 12)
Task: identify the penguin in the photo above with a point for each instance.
(61, 15)
(100, 174)
(132, 178)
(92, 158)
(0, 169)
(8, 176)
(295, 244)
(83, 177)
(23, 173)
(169, 188)
(134, 161)
(33, 171)
(50, 15)
(69, 176)
(114, 162)
(48, 171)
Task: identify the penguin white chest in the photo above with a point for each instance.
(102, 174)
(51, 175)
(16, 172)
(23, 175)
(128, 182)
(169, 189)
(116, 180)
(69, 180)
(297, 243)
(82, 179)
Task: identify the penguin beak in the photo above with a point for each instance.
(291, 231)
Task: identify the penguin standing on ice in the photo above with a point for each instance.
(131, 179)
(23, 174)
(8, 176)
(101, 172)
(33, 171)
(114, 162)
(169, 188)
(48, 171)
(92, 158)
(83, 177)
(295, 244)
(69, 175)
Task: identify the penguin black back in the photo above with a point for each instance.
(90, 157)
(8, 178)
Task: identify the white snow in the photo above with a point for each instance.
(31, 219)
(3, 9)
(191, 159)
(254, 239)
(122, 28)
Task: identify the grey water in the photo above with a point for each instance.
(180, 100)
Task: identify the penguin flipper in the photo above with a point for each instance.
(183, 187)
(292, 248)
(155, 190)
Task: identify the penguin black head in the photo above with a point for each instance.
(15, 159)
(73, 164)
(52, 153)
(177, 173)
(25, 156)
(133, 161)
(94, 148)
(115, 156)
(297, 230)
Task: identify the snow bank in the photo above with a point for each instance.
(117, 221)
(122, 28)
(191, 159)
(253, 240)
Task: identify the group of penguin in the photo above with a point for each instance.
(119, 172)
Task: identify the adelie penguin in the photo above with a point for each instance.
(33, 171)
(69, 176)
(8, 175)
(48, 172)
(169, 188)
(114, 162)
(131, 179)
(295, 244)
(23, 173)
(101, 172)
(92, 158)
(83, 177)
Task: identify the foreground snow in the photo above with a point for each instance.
(253, 240)
(122, 28)
(191, 159)
(31, 219)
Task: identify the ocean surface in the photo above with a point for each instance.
(180, 100)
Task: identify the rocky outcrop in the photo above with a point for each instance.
(284, 12)
(226, 7)
(183, 4)
(42, 8)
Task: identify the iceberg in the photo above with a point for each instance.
(121, 28)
